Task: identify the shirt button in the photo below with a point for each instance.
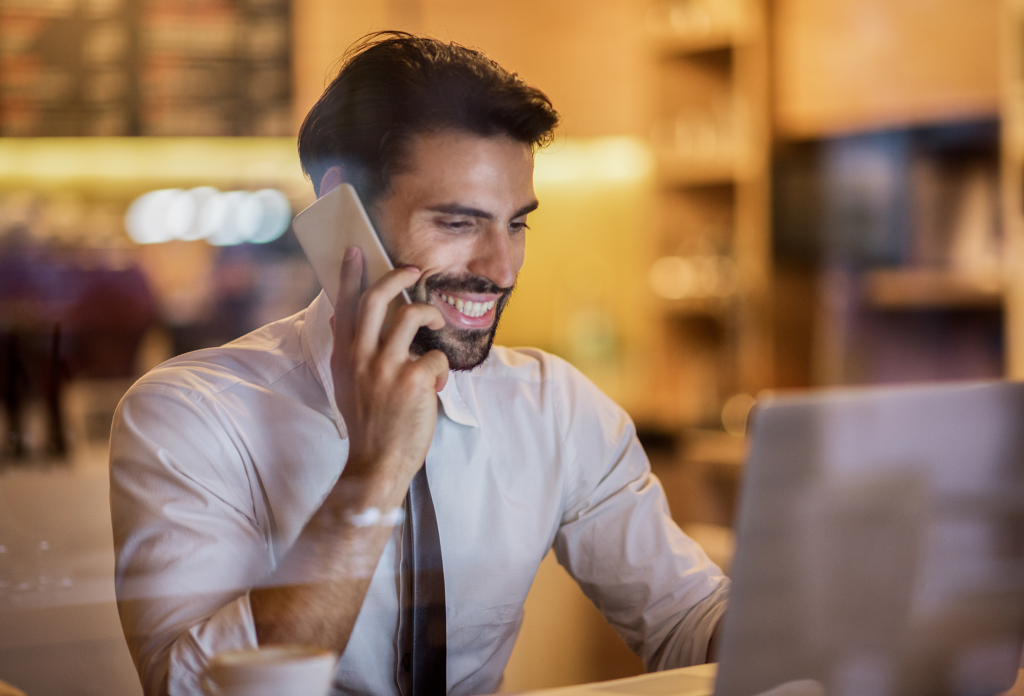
(407, 662)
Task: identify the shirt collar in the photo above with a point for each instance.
(456, 408)
(317, 343)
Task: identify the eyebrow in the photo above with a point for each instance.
(457, 209)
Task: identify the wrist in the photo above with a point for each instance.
(363, 486)
(375, 517)
(357, 506)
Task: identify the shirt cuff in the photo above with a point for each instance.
(231, 628)
(689, 643)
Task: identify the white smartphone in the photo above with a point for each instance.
(333, 223)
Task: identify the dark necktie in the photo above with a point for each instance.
(426, 659)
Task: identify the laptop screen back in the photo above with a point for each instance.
(881, 543)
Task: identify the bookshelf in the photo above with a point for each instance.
(949, 299)
(866, 91)
(712, 139)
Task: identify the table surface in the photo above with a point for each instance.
(699, 673)
(61, 631)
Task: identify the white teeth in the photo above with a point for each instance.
(470, 309)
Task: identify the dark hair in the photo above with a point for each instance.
(393, 86)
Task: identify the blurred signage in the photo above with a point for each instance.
(222, 218)
(144, 67)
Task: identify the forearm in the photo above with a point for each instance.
(388, 401)
(317, 591)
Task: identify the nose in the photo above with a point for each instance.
(498, 256)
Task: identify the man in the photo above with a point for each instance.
(257, 489)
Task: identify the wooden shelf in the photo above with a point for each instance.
(927, 62)
(670, 45)
(722, 25)
(714, 447)
(926, 288)
(717, 308)
(711, 137)
(676, 171)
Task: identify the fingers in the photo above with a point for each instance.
(346, 305)
(428, 371)
(407, 321)
(435, 363)
(373, 307)
(359, 318)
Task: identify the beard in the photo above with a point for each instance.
(464, 348)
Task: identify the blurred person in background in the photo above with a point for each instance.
(274, 490)
(64, 314)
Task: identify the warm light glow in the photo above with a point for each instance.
(153, 161)
(677, 277)
(671, 277)
(611, 159)
(234, 161)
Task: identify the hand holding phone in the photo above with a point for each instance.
(386, 396)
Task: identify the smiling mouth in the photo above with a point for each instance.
(468, 308)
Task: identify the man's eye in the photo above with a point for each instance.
(455, 223)
(518, 226)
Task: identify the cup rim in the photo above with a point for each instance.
(269, 654)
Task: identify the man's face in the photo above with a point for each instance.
(458, 213)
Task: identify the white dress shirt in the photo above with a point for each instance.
(219, 458)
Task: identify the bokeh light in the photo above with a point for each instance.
(222, 218)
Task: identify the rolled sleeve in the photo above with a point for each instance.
(653, 584)
(187, 539)
(230, 628)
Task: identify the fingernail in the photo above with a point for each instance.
(350, 253)
(413, 268)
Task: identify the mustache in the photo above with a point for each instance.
(471, 284)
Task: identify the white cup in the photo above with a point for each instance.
(278, 670)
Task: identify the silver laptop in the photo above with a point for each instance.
(881, 544)
(880, 549)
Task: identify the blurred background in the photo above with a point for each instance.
(744, 194)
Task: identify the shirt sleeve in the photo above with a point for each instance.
(187, 541)
(654, 585)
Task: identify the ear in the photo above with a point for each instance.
(332, 179)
